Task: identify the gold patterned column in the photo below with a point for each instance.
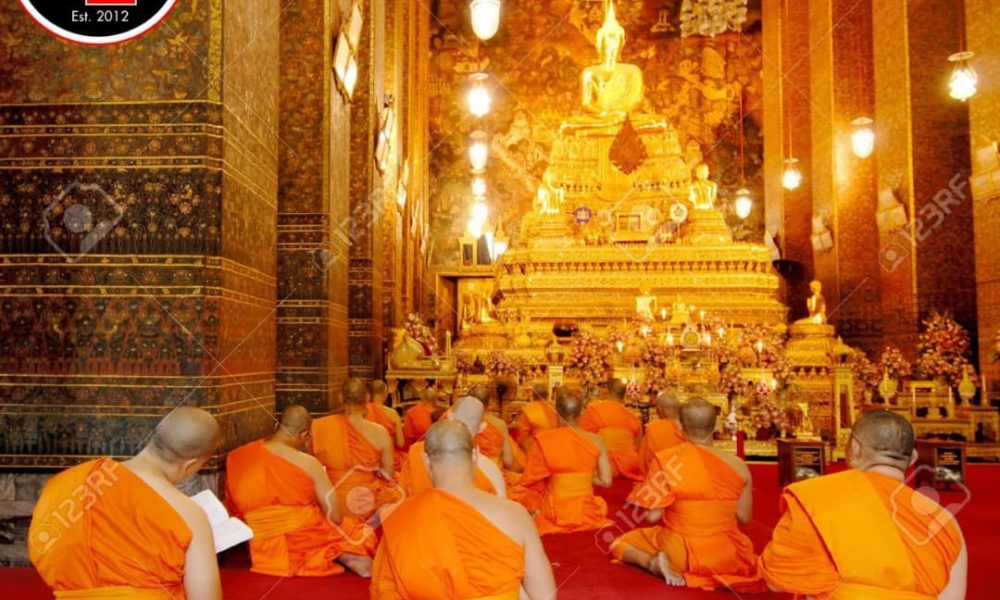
(844, 191)
(138, 190)
(983, 38)
(921, 142)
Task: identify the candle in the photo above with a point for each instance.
(663, 314)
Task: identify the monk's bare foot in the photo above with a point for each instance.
(659, 565)
(359, 565)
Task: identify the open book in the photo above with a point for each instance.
(228, 531)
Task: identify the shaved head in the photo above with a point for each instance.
(468, 410)
(295, 419)
(698, 418)
(185, 434)
(429, 395)
(448, 441)
(378, 387)
(355, 392)
(569, 406)
(481, 393)
(883, 436)
(540, 391)
(668, 405)
(617, 388)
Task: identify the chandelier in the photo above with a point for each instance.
(712, 17)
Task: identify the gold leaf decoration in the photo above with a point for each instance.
(627, 151)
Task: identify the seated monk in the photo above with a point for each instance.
(493, 439)
(419, 418)
(286, 497)
(699, 494)
(618, 427)
(864, 533)
(414, 476)
(563, 466)
(662, 433)
(378, 412)
(357, 455)
(104, 529)
(537, 415)
(456, 541)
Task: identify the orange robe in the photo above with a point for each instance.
(698, 492)
(99, 531)
(490, 443)
(660, 435)
(618, 427)
(560, 469)
(375, 414)
(292, 536)
(354, 465)
(416, 421)
(415, 479)
(535, 416)
(857, 535)
(436, 547)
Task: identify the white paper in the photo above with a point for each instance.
(228, 531)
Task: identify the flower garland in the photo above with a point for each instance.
(943, 349)
(418, 330)
(591, 357)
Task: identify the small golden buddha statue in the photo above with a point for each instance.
(816, 304)
(610, 88)
(703, 191)
(408, 354)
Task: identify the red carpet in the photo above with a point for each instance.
(583, 571)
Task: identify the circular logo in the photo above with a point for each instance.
(98, 22)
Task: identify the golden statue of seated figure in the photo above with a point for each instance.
(611, 89)
(816, 304)
(703, 191)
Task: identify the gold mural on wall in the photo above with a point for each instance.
(535, 63)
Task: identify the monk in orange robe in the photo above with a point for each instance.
(493, 439)
(357, 455)
(419, 418)
(414, 476)
(456, 541)
(864, 533)
(104, 529)
(378, 412)
(619, 428)
(562, 468)
(664, 432)
(537, 415)
(699, 494)
(286, 497)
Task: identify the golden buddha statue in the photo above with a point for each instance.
(408, 354)
(611, 89)
(703, 191)
(816, 304)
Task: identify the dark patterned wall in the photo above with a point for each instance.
(169, 142)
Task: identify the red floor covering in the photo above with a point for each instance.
(582, 570)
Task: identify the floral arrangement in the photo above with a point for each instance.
(465, 362)
(943, 349)
(758, 346)
(635, 392)
(591, 357)
(499, 364)
(866, 372)
(894, 364)
(418, 330)
(655, 354)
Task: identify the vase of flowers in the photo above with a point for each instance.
(591, 358)
(943, 350)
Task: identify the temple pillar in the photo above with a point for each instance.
(365, 276)
(312, 216)
(983, 38)
(843, 185)
(921, 153)
(794, 110)
(158, 289)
